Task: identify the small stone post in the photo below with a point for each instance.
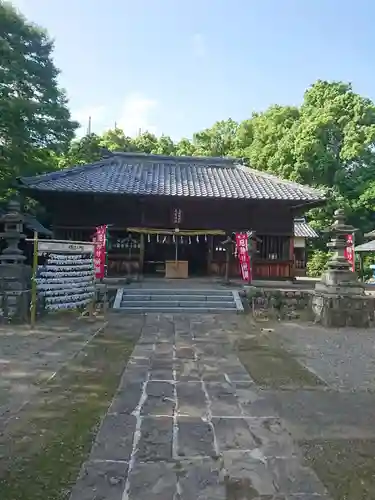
(15, 276)
(339, 298)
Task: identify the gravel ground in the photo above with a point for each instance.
(343, 358)
(29, 357)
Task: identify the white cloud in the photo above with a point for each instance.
(199, 45)
(137, 114)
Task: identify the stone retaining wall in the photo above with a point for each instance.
(283, 304)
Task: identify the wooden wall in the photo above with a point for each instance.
(265, 217)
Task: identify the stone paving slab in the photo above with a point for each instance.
(115, 438)
(191, 399)
(223, 400)
(234, 434)
(187, 370)
(160, 399)
(189, 423)
(127, 398)
(200, 479)
(101, 480)
(195, 438)
(153, 481)
(156, 439)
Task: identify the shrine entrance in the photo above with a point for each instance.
(189, 252)
(195, 252)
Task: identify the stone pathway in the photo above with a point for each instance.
(181, 426)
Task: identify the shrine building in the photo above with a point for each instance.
(161, 209)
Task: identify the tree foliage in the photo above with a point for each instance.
(35, 122)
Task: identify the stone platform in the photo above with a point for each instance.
(343, 310)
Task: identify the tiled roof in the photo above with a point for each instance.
(31, 223)
(366, 247)
(141, 174)
(303, 230)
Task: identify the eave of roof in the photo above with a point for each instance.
(154, 175)
(303, 230)
(32, 223)
(366, 247)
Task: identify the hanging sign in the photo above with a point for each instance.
(100, 240)
(243, 256)
(349, 250)
(64, 246)
(177, 216)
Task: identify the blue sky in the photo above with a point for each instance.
(176, 67)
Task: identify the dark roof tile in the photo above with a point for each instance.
(139, 174)
(303, 230)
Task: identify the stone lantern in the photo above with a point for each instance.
(14, 274)
(13, 227)
(339, 298)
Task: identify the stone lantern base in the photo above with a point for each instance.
(339, 300)
(333, 310)
(15, 284)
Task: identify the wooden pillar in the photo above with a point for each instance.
(210, 246)
(291, 258)
(141, 253)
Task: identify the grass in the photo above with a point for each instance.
(346, 467)
(272, 367)
(41, 452)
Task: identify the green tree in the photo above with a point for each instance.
(146, 143)
(116, 140)
(333, 139)
(185, 148)
(81, 151)
(317, 263)
(265, 141)
(165, 146)
(35, 122)
(219, 140)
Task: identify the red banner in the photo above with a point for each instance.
(100, 240)
(349, 251)
(243, 256)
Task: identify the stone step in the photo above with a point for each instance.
(172, 291)
(176, 303)
(197, 310)
(176, 300)
(187, 298)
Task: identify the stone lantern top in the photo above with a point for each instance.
(338, 243)
(339, 226)
(13, 227)
(339, 279)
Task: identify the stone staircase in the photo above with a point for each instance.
(170, 300)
